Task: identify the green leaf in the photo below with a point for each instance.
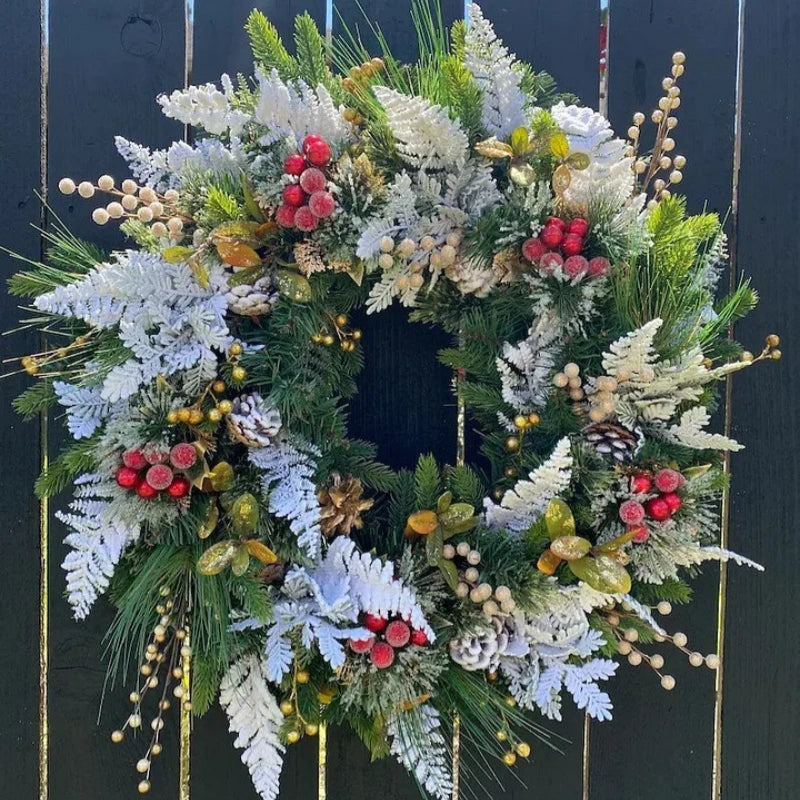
(241, 560)
(244, 514)
(250, 202)
(177, 254)
(217, 558)
(444, 502)
(570, 548)
(520, 141)
(293, 285)
(602, 573)
(559, 520)
(450, 573)
(434, 545)
(559, 146)
(578, 161)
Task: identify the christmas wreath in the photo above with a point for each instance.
(255, 553)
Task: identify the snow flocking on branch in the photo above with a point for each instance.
(256, 719)
(205, 107)
(528, 499)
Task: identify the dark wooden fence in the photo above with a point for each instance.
(75, 72)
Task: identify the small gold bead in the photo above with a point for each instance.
(214, 415)
(498, 493)
(144, 787)
(510, 758)
(746, 356)
(238, 374)
(172, 417)
(146, 669)
(225, 406)
(183, 415)
(501, 736)
(510, 701)
(236, 349)
(775, 355)
(512, 443)
(328, 340)
(218, 386)
(523, 749)
(177, 673)
(312, 729)
(773, 340)
(341, 320)
(510, 472)
(293, 737)
(287, 707)
(164, 704)
(303, 676)
(356, 334)
(521, 422)
(117, 736)
(187, 706)
(534, 419)
(491, 677)
(156, 749)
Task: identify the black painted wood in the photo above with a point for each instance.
(19, 442)
(672, 733)
(108, 61)
(760, 686)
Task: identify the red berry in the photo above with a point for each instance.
(551, 236)
(557, 222)
(575, 266)
(159, 476)
(599, 266)
(146, 491)
(294, 164)
(658, 509)
(284, 216)
(313, 180)
(673, 501)
(311, 138)
(640, 533)
(631, 512)
(397, 634)
(572, 245)
(579, 226)
(361, 645)
(533, 249)
(668, 480)
(127, 477)
(641, 484)
(550, 263)
(318, 153)
(183, 455)
(179, 487)
(156, 456)
(293, 195)
(321, 204)
(382, 655)
(134, 459)
(374, 623)
(419, 638)
(304, 219)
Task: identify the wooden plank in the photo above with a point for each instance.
(561, 37)
(672, 734)
(761, 695)
(220, 45)
(19, 441)
(107, 64)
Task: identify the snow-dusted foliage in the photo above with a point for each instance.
(429, 764)
(296, 109)
(205, 107)
(425, 135)
(528, 499)
(691, 432)
(86, 408)
(255, 718)
(98, 536)
(496, 73)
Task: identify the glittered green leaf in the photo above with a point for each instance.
(241, 560)
(559, 520)
(450, 573)
(293, 285)
(244, 514)
(434, 545)
(559, 146)
(578, 161)
(444, 502)
(602, 573)
(217, 557)
(570, 548)
(177, 254)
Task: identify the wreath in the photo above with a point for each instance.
(255, 553)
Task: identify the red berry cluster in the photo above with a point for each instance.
(151, 471)
(557, 249)
(306, 202)
(660, 508)
(388, 637)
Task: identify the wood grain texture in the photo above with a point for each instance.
(19, 441)
(108, 61)
(672, 733)
(761, 723)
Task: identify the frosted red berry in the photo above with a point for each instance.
(374, 623)
(673, 501)
(321, 204)
(361, 645)
(127, 477)
(179, 487)
(668, 480)
(575, 266)
(658, 509)
(304, 219)
(294, 164)
(579, 226)
(641, 484)
(311, 138)
(551, 236)
(382, 655)
(134, 459)
(572, 245)
(640, 533)
(557, 222)
(419, 638)
(631, 512)
(318, 153)
(183, 456)
(313, 180)
(156, 456)
(293, 195)
(599, 266)
(146, 491)
(550, 263)
(284, 216)
(159, 476)
(533, 249)
(397, 634)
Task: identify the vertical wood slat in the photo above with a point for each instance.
(679, 753)
(761, 694)
(108, 61)
(20, 135)
(220, 45)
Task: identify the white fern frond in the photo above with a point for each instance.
(690, 432)
(205, 107)
(634, 354)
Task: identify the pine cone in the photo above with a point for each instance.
(609, 439)
(342, 503)
(251, 422)
(252, 300)
(483, 650)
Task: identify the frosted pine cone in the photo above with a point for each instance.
(341, 504)
(252, 422)
(252, 300)
(612, 440)
(483, 650)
